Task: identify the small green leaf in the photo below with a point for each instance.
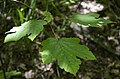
(12, 73)
(72, 1)
(1, 75)
(90, 19)
(9, 74)
(48, 16)
(22, 18)
(31, 29)
(66, 51)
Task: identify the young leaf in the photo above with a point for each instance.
(31, 28)
(48, 16)
(21, 15)
(90, 19)
(9, 74)
(66, 52)
(12, 73)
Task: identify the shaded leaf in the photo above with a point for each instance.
(9, 74)
(65, 51)
(48, 16)
(12, 73)
(90, 19)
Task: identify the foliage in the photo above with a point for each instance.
(65, 51)
(16, 33)
(90, 19)
(9, 74)
(61, 47)
(48, 16)
(47, 24)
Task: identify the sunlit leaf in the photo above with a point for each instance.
(66, 51)
(31, 29)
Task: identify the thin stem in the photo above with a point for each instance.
(47, 6)
(62, 16)
(58, 73)
(2, 67)
(22, 4)
(32, 7)
(56, 36)
(82, 31)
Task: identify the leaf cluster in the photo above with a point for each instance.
(67, 52)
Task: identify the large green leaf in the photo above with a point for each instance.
(66, 51)
(90, 19)
(31, 28)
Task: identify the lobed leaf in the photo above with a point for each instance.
(30, 28)
(66, 51)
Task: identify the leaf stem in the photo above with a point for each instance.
(32, 6)
(22, 4)
(58, 73)
(62, 16)
(56, 35)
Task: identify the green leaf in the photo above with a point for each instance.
(1, 75)
(66, 51)
(90, 19)
(9, 74)
(12, 73)
(31, 29)
(48, 16)
(72, 1)
(22, 18)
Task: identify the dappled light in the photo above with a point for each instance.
(59, 39)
